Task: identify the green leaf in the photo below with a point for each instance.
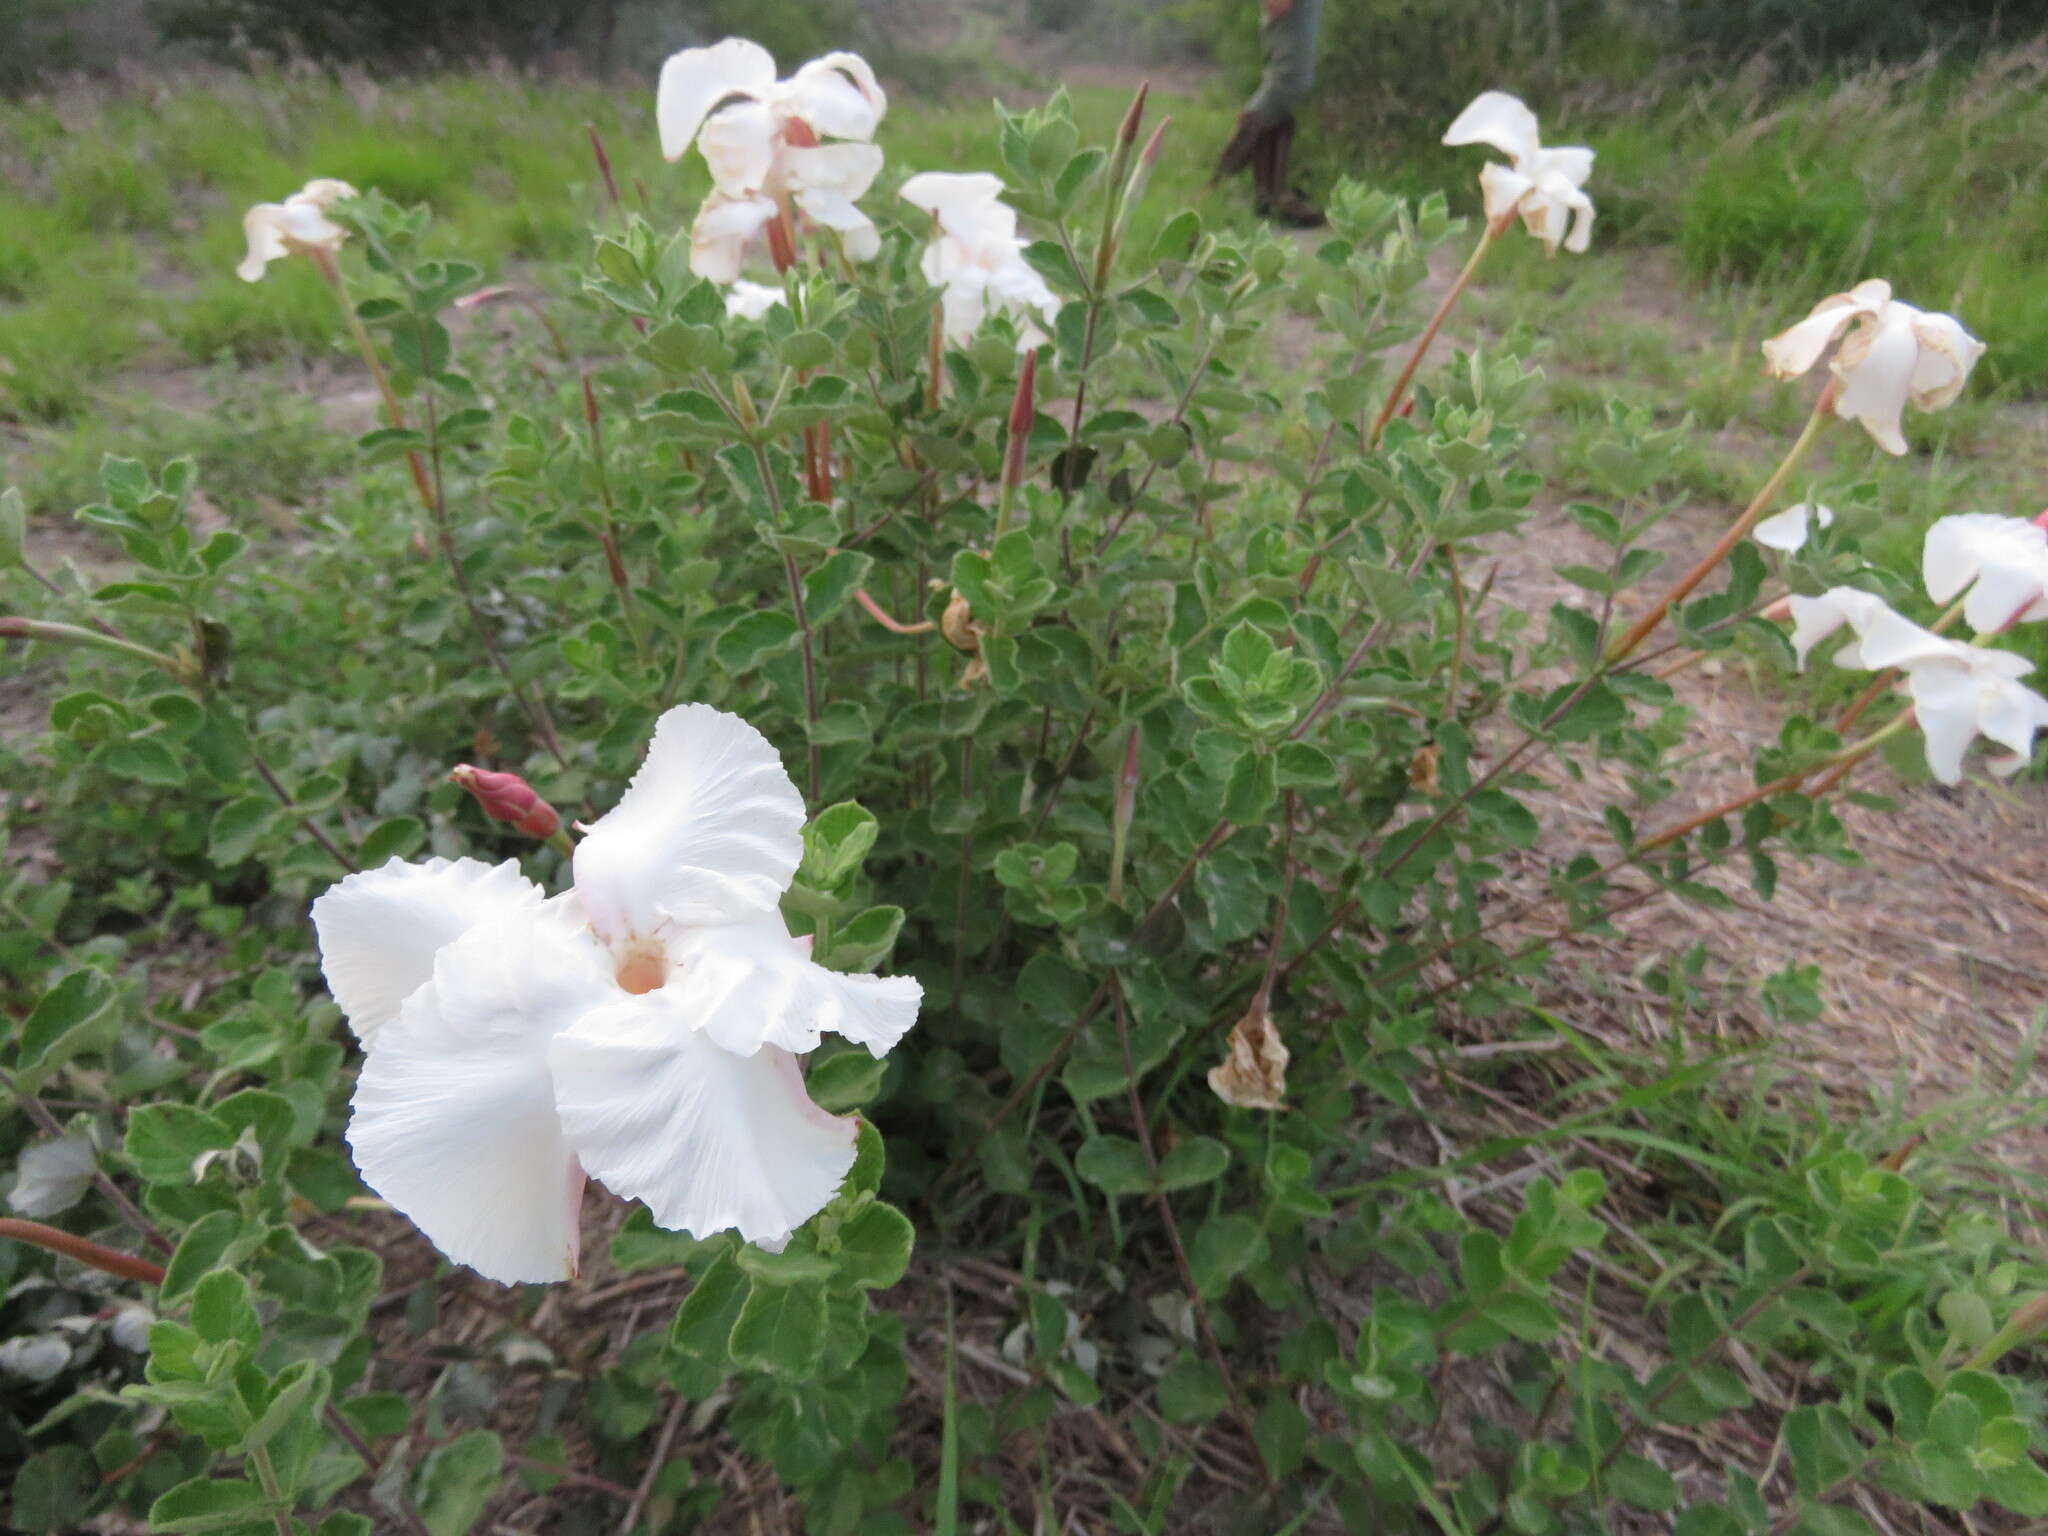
(238, 827)
(836, 841)
(1254, 786)
(1222, 1248)
(1640, 1482)
(145, 759)
(299, 1390)
(457, 1480)
(397, 838)
(59, 1024)
(751, 640)
(1114, 1164)
(861, 943)
(51, 1490)
(222, 1310)
(704, 1322)
(164, 1140)
(781, 1329)
(875, 1247)
(13, 527)
(1191, 1392)
(213, 1241)
(1198, 1160)
(844, 1080)
(208, 1504)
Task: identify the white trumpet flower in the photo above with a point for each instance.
(299, 223)
(641, 1028)
(764, 141)
(1543, 186)
(1895, 356)
(1959, 692)
(2002, 560)
(977, 262)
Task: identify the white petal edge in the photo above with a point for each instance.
(747, 985)
(658, 1112)
(1788, 531)
(380, 929)
(1875, 365)
(697, 79)
(709, 831)
(454, 1115)
(1496, 118)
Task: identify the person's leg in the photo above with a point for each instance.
(1289, 43)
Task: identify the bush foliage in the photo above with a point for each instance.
(1198, 724)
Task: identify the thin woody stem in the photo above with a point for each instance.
(108, 1261)
(1640, 631)
(1487, 236)
(394, 413)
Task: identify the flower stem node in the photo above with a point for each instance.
(508, 798)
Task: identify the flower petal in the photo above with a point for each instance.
(263, 226)
(838, 96)
(1573, 162)
(857, 233)
(750, 301)
(1815, 618)
(657, 1111)
(454, 1114)
(1875, 365)
(738, 144)
(1496, 118)
(1944, 702)
(747, 985)
(1947, 354)
(722, 231)
(709, 831)
(2007, 558)
(968, 206)
(1788, 530)
(1502, 190)
(380, 929)
(697, 79)
(1795, 350)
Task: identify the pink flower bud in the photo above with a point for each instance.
(2041, 518)
(13, 629)
(1778, 611)
(509, 798)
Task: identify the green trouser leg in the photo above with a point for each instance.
(1290, 46)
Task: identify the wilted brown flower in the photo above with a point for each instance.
(1254, 1074)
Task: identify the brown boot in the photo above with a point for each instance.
(1240, 150)
(1278, 200)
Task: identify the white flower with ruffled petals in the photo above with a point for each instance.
(1959, 692)
(641, 1028)
(1896, 356)
(2002, 560)
(1544, 186)
(1788, 531)
(299, 223)
(764, 141)
(977, 262)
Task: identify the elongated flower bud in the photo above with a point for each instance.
(1023, 411)
(604, 167)
(509, 798)
(1134, 118)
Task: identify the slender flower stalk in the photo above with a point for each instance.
(615, 565)
(1494, 229)
(394, 413)
(108, 1261)
(1640, 631)
(54, 633)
